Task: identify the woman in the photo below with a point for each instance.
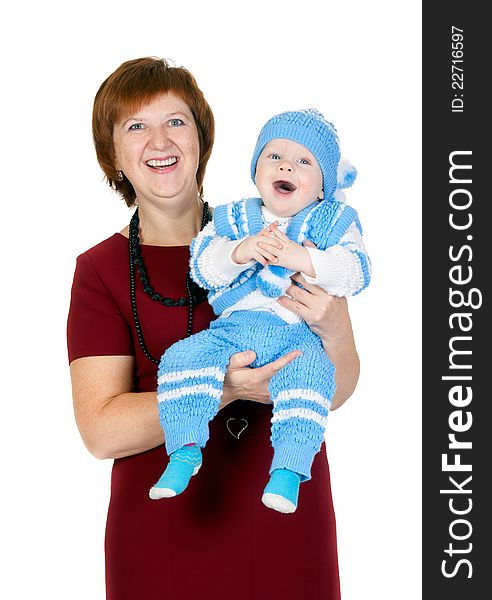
(131, 299)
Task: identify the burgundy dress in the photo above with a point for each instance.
(217, 540)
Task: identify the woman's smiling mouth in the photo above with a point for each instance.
(162, 163)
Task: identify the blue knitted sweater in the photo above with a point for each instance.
(322, 222)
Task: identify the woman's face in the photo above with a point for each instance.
(157, 149)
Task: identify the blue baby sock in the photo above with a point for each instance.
(282, 491)
(183, 464)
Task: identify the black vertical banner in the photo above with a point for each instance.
(457, 337)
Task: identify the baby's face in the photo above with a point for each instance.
(288, 177)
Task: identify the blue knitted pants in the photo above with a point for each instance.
(191, 374)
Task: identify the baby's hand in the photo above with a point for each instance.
(289, 254)
(258, 247)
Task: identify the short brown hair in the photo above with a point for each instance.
(136, 83)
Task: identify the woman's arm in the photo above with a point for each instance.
(329, 318)
(115, 422)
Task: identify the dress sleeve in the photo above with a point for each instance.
(95, 324)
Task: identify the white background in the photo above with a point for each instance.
(359, 63)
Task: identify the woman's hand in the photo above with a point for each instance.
(246, 383)
(328, 317)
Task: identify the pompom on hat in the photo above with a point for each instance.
(310, 129)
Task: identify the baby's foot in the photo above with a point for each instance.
(183, 464)
(282, 491)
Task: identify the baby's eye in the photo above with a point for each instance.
(275, 156)
(175, 122)
(303, 161)
(136, 127)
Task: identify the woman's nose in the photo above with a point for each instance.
(159, 138)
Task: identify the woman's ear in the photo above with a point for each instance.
(114, 158)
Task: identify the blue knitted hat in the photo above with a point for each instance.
(310, 129)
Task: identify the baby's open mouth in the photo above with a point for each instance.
(284, 187)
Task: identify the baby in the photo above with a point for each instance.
(245, 257)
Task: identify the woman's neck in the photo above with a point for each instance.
(169, 226)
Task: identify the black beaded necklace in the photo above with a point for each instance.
(195, 294)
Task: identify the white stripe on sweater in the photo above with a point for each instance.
(302, 231)
(189, 373)
(352, 234)
(206, 232)
(303, 394)
(282, 282)
(244, 218)
(203, 389)
(231, 220)
(341, 208)
(218, 293)
(257, 301)
(303, 413)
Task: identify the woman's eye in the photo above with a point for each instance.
(136, 126)
(176, 122)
